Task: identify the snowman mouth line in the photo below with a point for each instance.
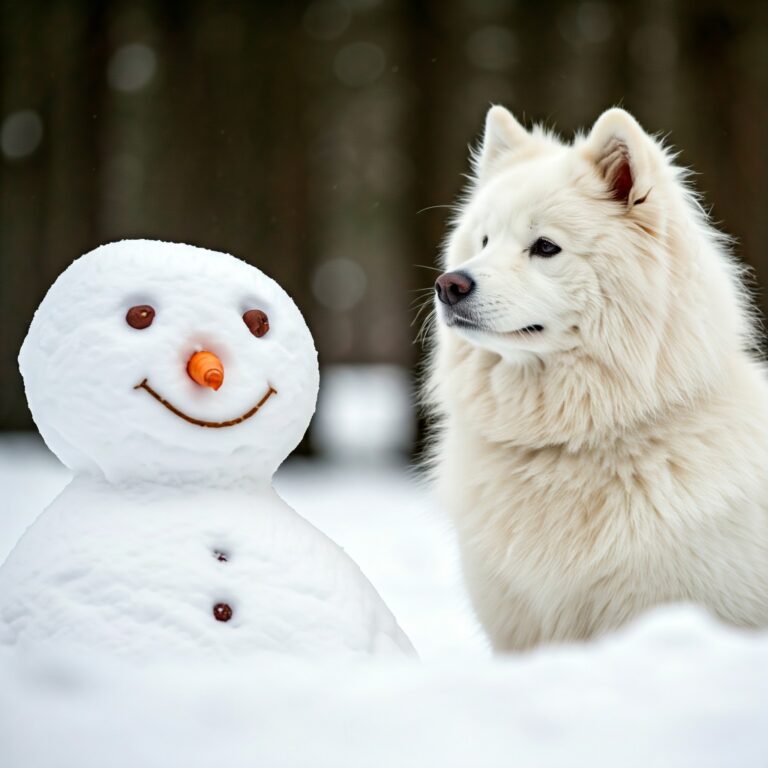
(200, 422)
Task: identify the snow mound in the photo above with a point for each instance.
(675, 690)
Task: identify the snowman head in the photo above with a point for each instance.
(160, 361)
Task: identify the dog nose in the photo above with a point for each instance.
(453, 287)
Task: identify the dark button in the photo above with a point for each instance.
(222, 612)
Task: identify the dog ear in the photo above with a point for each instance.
(502, 134)
(621, 151)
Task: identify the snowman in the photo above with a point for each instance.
(173, 381)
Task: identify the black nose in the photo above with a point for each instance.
(453, 287)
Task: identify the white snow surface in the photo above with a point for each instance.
(674, 690)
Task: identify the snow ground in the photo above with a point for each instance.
(675, 689)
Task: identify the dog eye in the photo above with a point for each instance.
(545, 248)
(257, 322)
(485, 240)
(140, 317)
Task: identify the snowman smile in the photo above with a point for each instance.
(199, 422)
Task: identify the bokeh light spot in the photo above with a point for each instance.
(339, 284)
(131, 67)
(21, 134)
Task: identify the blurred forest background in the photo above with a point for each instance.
(315, 139)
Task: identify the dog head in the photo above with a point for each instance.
(591, 260)
(529, 262)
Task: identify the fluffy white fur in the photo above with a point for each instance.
(618, 458)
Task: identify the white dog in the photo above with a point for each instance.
(603, 440)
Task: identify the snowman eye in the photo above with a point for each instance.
(257, 322)
(140, 316)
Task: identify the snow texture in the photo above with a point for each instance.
(170, 540)
(138, 571)
(674, 690)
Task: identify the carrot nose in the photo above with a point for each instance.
(206, 369)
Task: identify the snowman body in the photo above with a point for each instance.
(170, 539)
(148, 571)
